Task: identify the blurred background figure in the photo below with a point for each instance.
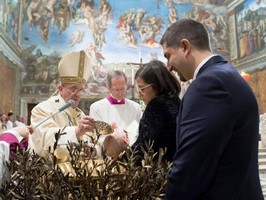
(3, 121)
(20, 121)
(10, 120)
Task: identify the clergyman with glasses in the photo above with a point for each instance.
(115, 109)
(74, 70)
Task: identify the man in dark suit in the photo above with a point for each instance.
(217, 127)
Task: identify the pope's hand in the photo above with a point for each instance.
(85, 124)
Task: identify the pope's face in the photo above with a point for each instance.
(71, 91)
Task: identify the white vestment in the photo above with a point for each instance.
(4, 155)
(125, 116)
(44, 135)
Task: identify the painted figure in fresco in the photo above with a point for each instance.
(53, 86)
(145, 32)
(139, 18)
(84, 14)
(251, 29)
(2, 14)
(126, 26)
(252, 38)
(50, 10)
(100, 23)
(95, 89)
(14, 25)
(172, 17)
(32, 12)
(217, 28)
(149, 29)
(44, 29)
(41, 17)
(131, 17)
(63, 16)
(98, 29)
(121, 21)
(42, 90)
(126, 34)
(76, 37)
(168, 3)
(42, 74)
(105, 9)
(8, 16)
(98, 72)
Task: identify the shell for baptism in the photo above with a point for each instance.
(103, 128)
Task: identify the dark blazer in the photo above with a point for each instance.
(217, 138)
(158, 124)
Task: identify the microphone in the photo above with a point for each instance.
(67, 105)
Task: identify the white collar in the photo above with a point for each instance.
(200, 65)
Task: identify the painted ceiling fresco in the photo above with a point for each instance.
(117, 34)
(123, 31)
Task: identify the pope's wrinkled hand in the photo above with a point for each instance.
(86, 124)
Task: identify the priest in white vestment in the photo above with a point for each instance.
(117, 110)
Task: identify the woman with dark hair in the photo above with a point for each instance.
(159, 90)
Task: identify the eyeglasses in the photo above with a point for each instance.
(140, 90)
(74, 90)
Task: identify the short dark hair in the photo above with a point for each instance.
(189, 29)
(162, 80)
(113, 74)
(10, 113)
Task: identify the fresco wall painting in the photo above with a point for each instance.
(9, 18)
(120, 35)
(250, 37)
(251, 27)
(115, 34)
